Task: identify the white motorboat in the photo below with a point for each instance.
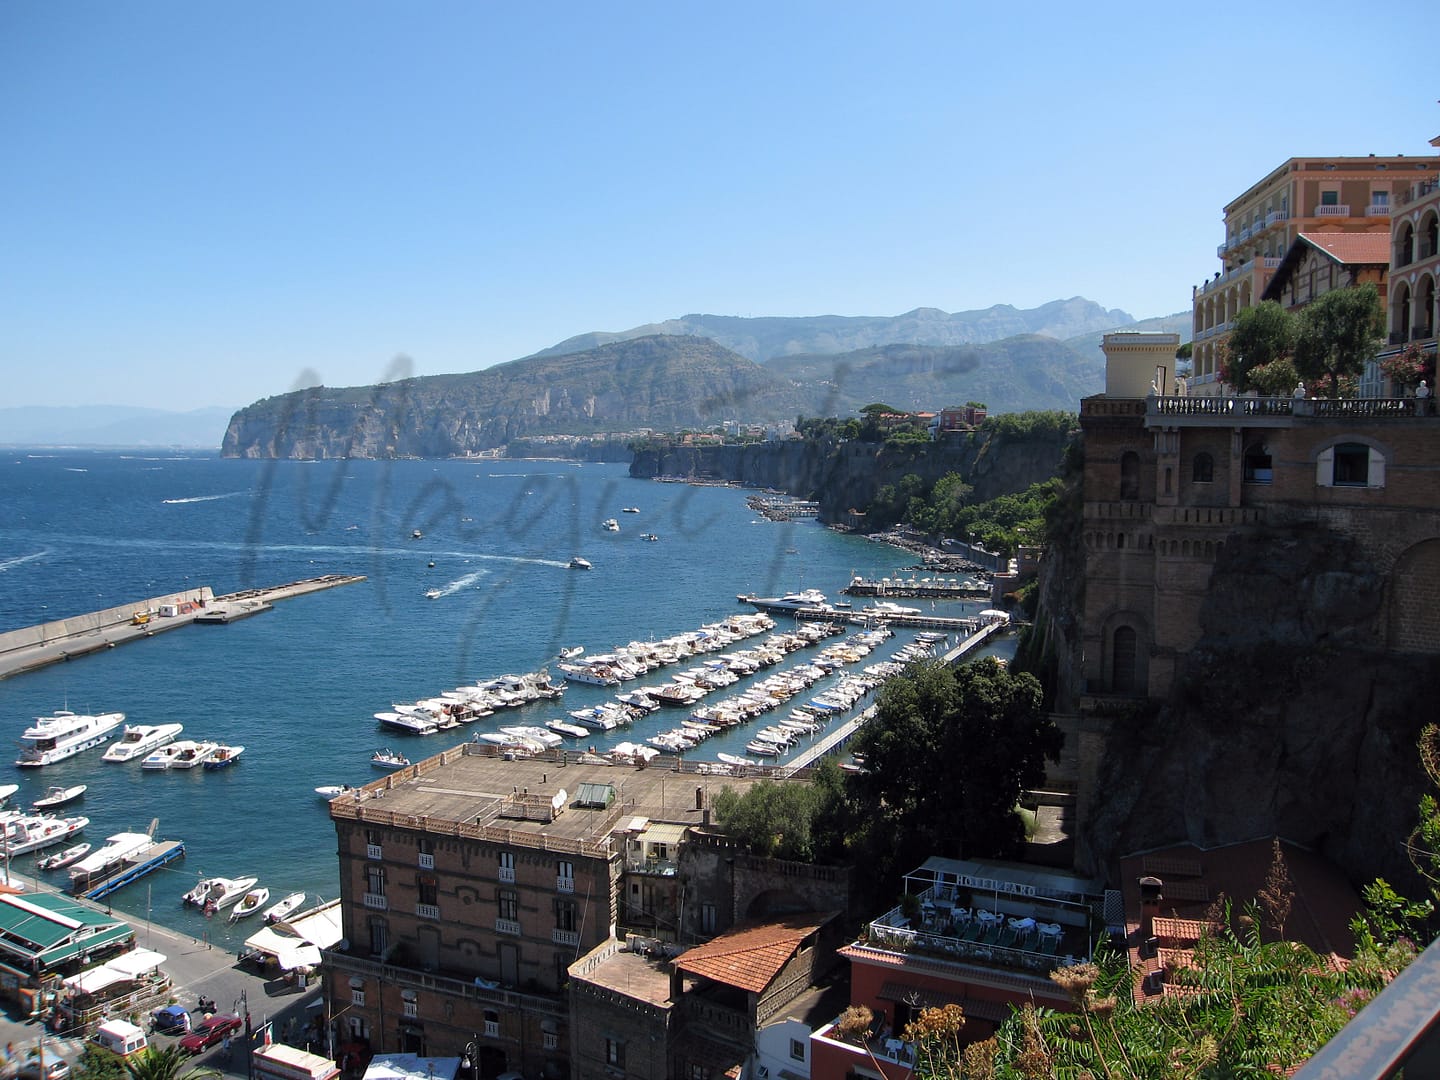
(6, 790)
(575, 731)
(194, 753)
(803, 600)
(883, 608)
(223, 757)
(281, 910)
(433, 594)
(55, 738)
(577, 563)
(630, 509)
(216, 893)
(164, 756)
(33, 832)
(251, 903)
(572, 652)
(117, 849)
(610, 525)
(389, 759)
(64, 858)
(409, 723)
(139, 739)
(735, 759)
(328, 792)
(59, 796)
(531, 731)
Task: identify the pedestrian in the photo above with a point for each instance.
(1422, 399)
(228, 1050)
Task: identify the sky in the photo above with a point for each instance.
(207, 204)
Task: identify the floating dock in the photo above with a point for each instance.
(152, 858)
(65, 639)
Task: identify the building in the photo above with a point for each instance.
(1316, 196)
(1319, 262)
(956, 419)
(1412, 310)
(983, 935)
(471, 884)
(47, 937)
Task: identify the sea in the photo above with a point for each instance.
(297, 686)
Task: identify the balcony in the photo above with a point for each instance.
(1220, 251)
(565, 884)
(507, 874)
(427, 861)
(374, 851)
(508, 926)
(549, 1040)
(1276, 216)
(565, 937)
(1333, 210)
(428, 911)
(1378, 210)
(659, 867)
(1419, 191)
(376, 902)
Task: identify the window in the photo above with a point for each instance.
(509, 904)
(1379, 198)
(1130, 475)
(797, 1049)
(410, 1002)
(427, 853)
(379, 937)
(1330, 198)
(565, 869)
(1202, 471)
(707, 918)
(1258, 468)
(697, 1072)
(492, 1023)
(1122, 660)
(615, 1053)
(375, 880)
(1352, 465)
(507, 866)
(564, 915)
(429, 889)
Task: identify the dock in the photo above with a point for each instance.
(152, 858)
(79, 635)
(837, 739)
(928, 588)
(826, 613)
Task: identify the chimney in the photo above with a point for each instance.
(699, 798)
(1152, 891)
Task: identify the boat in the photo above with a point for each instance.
(64, 858)
(59, 796)
(803, 600)
(55, 738)
(388, 759)
(195, 753)
(250, 903)
(331, 791)
(223, 757)
(887, 607)
(649, 536)
(577, 563)
(165, 756)
(630, 509)
(544, 736)
(572, 652)
(433, 594)
(139, 739)
(408, 723)
(575, 731)
(215, 893)
(117, 849)
(416, 534)
(735, 759)
(276, 912)
(610, 525)
(6, 790)
(33, 832)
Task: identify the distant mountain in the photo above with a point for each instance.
(1014, 375)
(111, 425)
(652, 382)
(1088, 344)
(762, 339)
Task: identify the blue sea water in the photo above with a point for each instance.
(297, 686)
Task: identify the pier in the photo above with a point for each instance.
(65, 639)
(928, 588)
(152, 858)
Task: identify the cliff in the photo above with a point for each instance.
(844, 476)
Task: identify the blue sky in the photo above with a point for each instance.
(206, 204)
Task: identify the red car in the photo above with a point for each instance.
(210, 1031)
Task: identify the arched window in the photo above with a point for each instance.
(1122, 660)
(1130, 475)
(1202, 471)
(1405, 247)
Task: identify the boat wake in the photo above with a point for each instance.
(21, 560)
(205, 498)
(463, 582)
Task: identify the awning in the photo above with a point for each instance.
(306, 955)
(95, 980)
(137, 962)
(663, 833)
(269, 940)
(924, 997)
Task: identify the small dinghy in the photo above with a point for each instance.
(250, 903)
(64, 858)
(59, 796)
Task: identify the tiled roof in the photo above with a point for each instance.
(751, 954)
(1366, 247)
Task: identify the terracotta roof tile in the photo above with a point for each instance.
(1367, 247)
(749, 955)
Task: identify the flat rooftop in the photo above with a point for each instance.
(470, 787)
(641, 978)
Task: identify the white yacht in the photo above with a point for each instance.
(33, 832)
(411, 723)
(140, 739)
(196, 753)
(610, 525)
(55, 738)
(805, 599)
(169, 756)
(116, 850)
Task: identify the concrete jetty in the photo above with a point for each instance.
(64, 639)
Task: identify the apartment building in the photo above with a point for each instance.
(1322, 198)
(1412, 309)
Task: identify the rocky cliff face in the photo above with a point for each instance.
(1287, 718)
(846, 476)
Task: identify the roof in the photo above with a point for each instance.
(750, 955)
(411, 1067)
(48, 928)
(1347, 249)
(925, 997)
(1027, 879)
(128, 966)
(664, 833)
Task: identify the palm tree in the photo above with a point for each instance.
(164, 1063)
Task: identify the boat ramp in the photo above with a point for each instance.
(65, 639)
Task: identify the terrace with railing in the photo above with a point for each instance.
(1197, 410)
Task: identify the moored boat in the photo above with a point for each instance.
(33, 832)
(331, 791)
(215, 893)
(139, 739)
(223, 757)
(103, 860)
(59, 796)
(251, 903)
(64, 858)
(6, 790)
(277, 911)
(55, 738)
(193, 753)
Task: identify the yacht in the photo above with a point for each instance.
(411, 723)
(139, 739)
(887, 607)
(805, 599)
(33, 832)
(630, 509)
(196, 753)
(610, 525)
(116, 850)
(55, 738)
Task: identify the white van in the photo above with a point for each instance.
(121, 1037)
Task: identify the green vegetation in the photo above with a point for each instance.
(803, 822)
(1325, 344)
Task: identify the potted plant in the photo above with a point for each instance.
(854, 1024)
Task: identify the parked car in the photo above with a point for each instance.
(55, 1068)
(171, 1020)
(210, 1031)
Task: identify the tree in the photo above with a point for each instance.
(164, 1063)
(947, 755)
(778, 818)
(1337, 334)
(1259, 336)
